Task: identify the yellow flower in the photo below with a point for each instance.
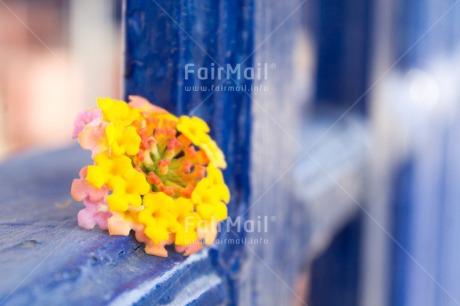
(208, 200)
(158, 216)
(107, 169)
(213, 153)
(123, 139)
(193, 128)
(154, 173)
(117, 111)
(127, 191)
(197, 131)
(212, 210)
(187, 222)
(215, 181)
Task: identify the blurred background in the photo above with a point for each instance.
(55, 57)
(395, 65)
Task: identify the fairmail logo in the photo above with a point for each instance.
(228, 72)
(260, 224)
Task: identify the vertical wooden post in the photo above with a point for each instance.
(415, 114)
(162, 37)
(257, 130)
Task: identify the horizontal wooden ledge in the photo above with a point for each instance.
(46, 259)
(331, 177)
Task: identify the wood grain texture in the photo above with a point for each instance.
(46, 259)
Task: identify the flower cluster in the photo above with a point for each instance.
(153, 173)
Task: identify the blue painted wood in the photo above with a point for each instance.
(343, 32)
(254, 129)
(400, 226)
(162, 37)
(46, 259)
(335, 274)
(420, 110)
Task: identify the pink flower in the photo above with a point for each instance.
(189, 249)
(145, 106)
(96, 211)
(82, 190)
(93, 138)
(91, 117)
(119, 225)
(157, 249)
